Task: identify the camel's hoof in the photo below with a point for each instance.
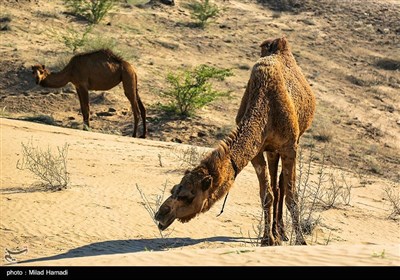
(270, 242)
(86, 127)
(265, 244)
(280, 235)
(284, 237)
(301, 242)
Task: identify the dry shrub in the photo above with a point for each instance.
(49, 167)
(190, 156)
(393, 197)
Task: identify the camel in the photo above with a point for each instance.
(98, 70)
(277, 107)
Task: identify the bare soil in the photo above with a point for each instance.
(347, 49)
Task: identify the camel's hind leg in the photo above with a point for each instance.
(267, 198)
(83, 95)
(277, 226)
(130, 89)
(289, 184)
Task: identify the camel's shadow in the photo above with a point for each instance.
(132, 246)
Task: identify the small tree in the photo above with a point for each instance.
(202, 11)
(93, 10)
(191, 90)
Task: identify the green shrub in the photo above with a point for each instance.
(93, 10)
(202, 11)
(98, 42)
(74, 40)
(191, 89)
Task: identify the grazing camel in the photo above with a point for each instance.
(98, 70)
(277, 107)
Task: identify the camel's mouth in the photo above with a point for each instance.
(165, 216)
(165, 225)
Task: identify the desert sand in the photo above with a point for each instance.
(100, 219)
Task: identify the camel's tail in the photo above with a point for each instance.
(142, 114)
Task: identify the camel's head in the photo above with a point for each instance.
(188, 198)
(273, 46)
(39, 72)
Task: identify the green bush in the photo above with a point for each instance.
(202, 11)
(85, 40)
(191, 89)
(74, 40)
(93, 10)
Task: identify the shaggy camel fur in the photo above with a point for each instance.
(98, 70)
(277, 107)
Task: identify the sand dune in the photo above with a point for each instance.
(100, 219)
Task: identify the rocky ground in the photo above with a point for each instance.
(347, 49)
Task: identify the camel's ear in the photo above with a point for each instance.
(274, 46)
(283, 43)
(43, 66)
(278, 45)
(173, 190)
(206, 182)
(187, 171)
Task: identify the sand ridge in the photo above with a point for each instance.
(100, 218)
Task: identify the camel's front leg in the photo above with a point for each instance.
(289, 183)
(279, 194)
(267, 198)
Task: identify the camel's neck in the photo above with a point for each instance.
(237, 149)
(219, 166)
(229, 159)
(56, 80)
(247, 140)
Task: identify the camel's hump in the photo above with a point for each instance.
(268, 64)
(270, 60)
(102, 52)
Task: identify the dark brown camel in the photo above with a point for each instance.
(98, 70)
(277, 107)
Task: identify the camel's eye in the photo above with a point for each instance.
(185, 198)
(266, 46)
(176, 189)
